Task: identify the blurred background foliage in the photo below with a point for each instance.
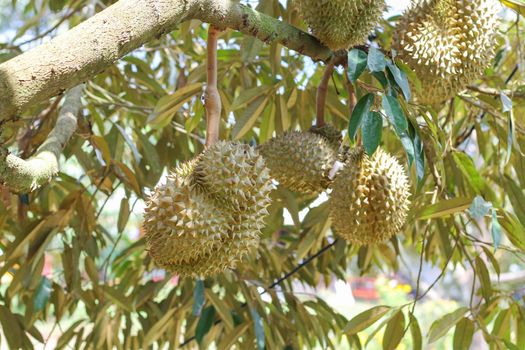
(73, 265)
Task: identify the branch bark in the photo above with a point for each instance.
(94, 45)
(23, 176)
(322, 90)
(212, 99)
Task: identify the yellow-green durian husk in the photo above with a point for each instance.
(370, 198)
(340, 24)
(448, 44)
(192, 230)
(235, 175)
(300, 161)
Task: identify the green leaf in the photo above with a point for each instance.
(444, 208)
(408, 145)
(463, 334)
(415, 330)
(496, 230)
(12, 329)
(479, 207)
(467, 167)
(440, 327)
(198, 298)
(42, 294)
(372, 131)
(365, 319)
(357, 61)
(394, 111)
(56, 5)
(361, 109)
(248, 118)
(484, 278)
(400, 78)
(516, 5)
(507, 108)
(248, 96)
(394, 332)
(123, 214)
(205, 323)
(376, 60)
(259, 329)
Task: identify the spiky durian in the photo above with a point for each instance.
(235, 175)
(448, 43)
(195, 231)
(340, 24)
(369, 200)
(300, 161)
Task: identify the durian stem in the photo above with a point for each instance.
(212, 98)
(322, 90)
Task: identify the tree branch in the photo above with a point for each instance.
(94, 45)
(26, 175)
(212, 97)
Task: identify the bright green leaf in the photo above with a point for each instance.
(372, 131)
(361, 109)
(365, 319)
(357, 61)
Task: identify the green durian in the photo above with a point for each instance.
(370, 198)
(192, 227)
(340, 24)
(300, 161)
(448, 44)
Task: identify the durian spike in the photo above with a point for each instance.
(212, 98)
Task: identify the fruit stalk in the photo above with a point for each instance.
(322, 90)
(212, 98)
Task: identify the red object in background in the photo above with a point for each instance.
(364, 288)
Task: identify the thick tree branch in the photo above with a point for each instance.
(26, 175)
(97, 43)
(212, 99)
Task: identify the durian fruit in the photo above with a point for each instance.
(235, 175)
(300, 161)
(340, 24)
(448, 43)
(193, 230)
(369, 200)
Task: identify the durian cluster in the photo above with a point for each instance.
(302, 161)
(370, 198)
(340, 24)
(448, 43)
(210, 212)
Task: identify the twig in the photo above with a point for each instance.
(212, 97)
(53, 28)
(322, 90)
(352, 99)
